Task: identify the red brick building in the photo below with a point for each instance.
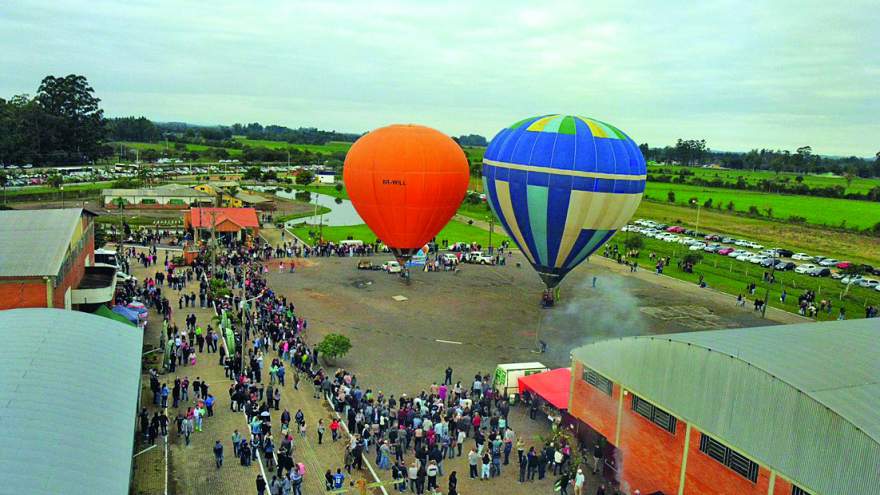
(47, 258)
(786, 410)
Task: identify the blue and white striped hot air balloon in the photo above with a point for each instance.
(561, 186)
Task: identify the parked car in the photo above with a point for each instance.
(785, 265)
(449, 258)
(712, 248)
(478, 257)
(697, 246)
(392, 267)
(737, 253)
(843, 265)
(805, 268)
(368, 265)
(744, 256)
(837, 275)
(785, 253)
(829, 262)
(768, 262)
(820, 271)
(725, 251)
(728, 240)
(869, 283)
(801, 257)
(712, 237)
(851, 279)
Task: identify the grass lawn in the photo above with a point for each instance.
(68, 189)
(859, 185)
(818, 211)
(453, 232)
(731, 276)
(293, 216)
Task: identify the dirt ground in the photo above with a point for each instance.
(487, 315)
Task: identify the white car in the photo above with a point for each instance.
(805, 268)
(801, 257)
(869, 283)
(757, 258)
(122, 276)
(744, 256)
(741, 243)
(449, 258)
(480, 258)
(829, 262)
(697, 246)
(392, 267)
(851, 279)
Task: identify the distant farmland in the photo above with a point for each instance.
(816, 210)
(859, 184)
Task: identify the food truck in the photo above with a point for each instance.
(507, 376)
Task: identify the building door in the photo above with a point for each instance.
(67, 303)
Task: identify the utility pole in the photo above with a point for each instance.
(491, 228)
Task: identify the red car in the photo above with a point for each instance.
(725, 251)
(843, 265)
(675, 229)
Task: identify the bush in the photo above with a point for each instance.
(670, 196)
(753, 211)
(692, 258)
(334, 345)
(339, 186)
(634, 242)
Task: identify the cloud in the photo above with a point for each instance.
(660, 71)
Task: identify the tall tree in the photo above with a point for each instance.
(75, 126)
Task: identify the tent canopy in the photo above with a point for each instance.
(106, 313)
(551, 385)
(130, 314)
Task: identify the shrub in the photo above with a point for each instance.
(670, 196)
(334, 345)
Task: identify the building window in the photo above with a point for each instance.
(654, 414)
(796, 490)
(597, 380)
(737, 462)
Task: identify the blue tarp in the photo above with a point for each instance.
(129, 314)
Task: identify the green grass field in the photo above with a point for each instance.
(817, 211)
(859, 185)
(328, 189)
(329, 148)
(730, 276)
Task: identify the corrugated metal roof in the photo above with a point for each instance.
(251, 198)
(157, 192)
(68, 401)
(33, 242)
(801, 399)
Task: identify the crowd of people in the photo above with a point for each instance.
(411, 438)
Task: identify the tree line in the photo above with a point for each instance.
(62, 124)
(695, 152)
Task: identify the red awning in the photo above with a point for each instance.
(553, 386)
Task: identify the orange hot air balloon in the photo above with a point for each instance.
(406, 182)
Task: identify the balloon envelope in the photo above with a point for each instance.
(406, 182)
(562, 185)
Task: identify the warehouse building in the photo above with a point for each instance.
(176, 197)
(47, 260)
(783, 410)
(67, 409)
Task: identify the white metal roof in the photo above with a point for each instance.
(68, 402)
(33, 243)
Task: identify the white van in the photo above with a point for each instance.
(507, 376)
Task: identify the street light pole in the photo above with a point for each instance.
(62, 197)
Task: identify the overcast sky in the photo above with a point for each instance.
(741, 74)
